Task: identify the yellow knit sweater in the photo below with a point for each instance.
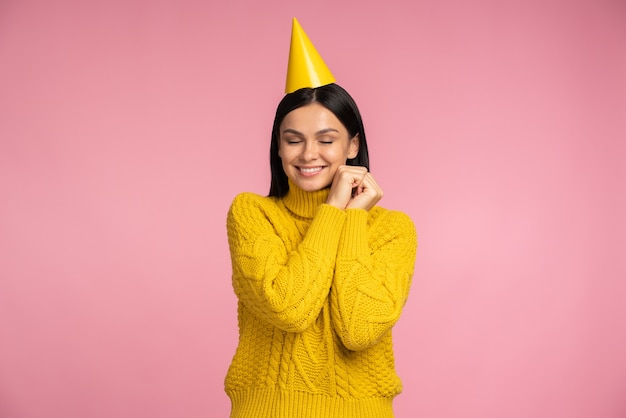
(319, 290)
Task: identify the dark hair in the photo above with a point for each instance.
(334, 98)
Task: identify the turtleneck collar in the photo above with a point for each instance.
(304, 203)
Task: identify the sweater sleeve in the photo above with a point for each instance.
(372, 277)
(287, 289)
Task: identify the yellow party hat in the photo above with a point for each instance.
(306, 66)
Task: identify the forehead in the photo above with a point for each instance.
(311, 118)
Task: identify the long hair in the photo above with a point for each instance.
(334, 98)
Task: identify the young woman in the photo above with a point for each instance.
(320, 271)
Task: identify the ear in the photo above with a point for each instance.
(354, 147)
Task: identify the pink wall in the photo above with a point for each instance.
(126, 127)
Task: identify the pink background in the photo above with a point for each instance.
(126, 128)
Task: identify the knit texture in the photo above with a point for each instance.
(319, 290)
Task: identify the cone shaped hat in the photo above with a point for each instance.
(306, 66)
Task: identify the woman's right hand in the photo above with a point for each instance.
(354, 187)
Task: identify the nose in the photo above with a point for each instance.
(309, 151)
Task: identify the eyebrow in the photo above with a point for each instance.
(321, 132)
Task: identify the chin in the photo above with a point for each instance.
(312, 186)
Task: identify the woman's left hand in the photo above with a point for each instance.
(354, 188)
(366, 193)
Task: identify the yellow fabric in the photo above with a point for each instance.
(319, 290)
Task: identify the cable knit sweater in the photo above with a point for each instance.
(319, 290)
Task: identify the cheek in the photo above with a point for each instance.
(338, 155)
(285, 154)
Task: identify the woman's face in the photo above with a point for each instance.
(312, 144)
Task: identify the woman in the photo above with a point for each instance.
(320, 271)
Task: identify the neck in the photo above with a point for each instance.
(304, 203)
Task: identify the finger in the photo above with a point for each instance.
(343, 186)
(366, 182)
(367, 194)
(350, 170)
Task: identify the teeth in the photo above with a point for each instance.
(310, 170)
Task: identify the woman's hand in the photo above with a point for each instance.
(354, 188)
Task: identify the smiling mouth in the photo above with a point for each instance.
(310, 170)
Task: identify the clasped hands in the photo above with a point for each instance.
(354, 187)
